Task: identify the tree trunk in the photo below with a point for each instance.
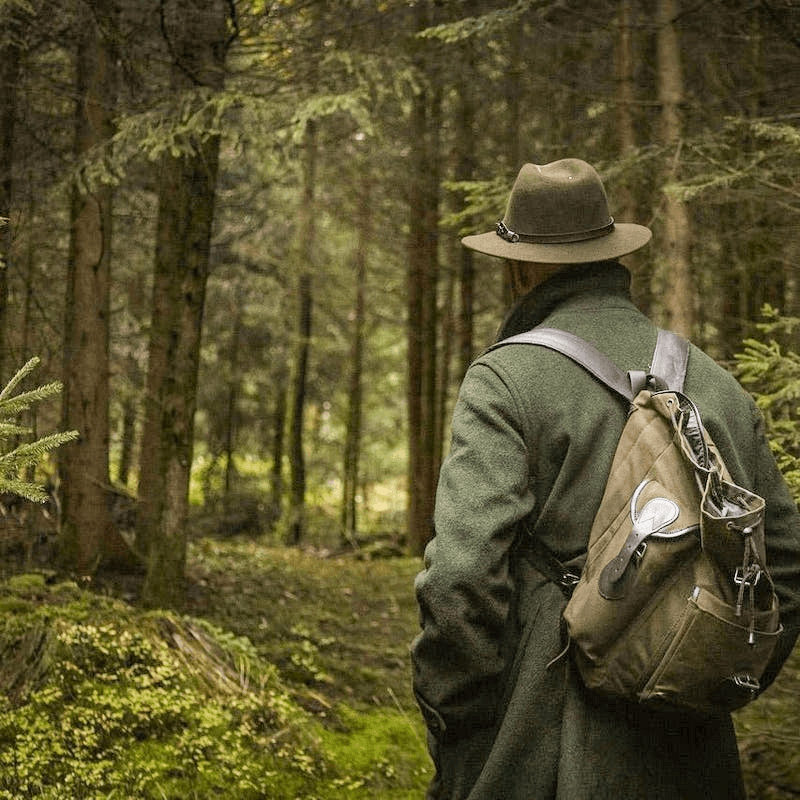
(465, 171)
(352, 447)
(181, 271)
(234, 387)
(127, 438)
(625, 200)
(674, 280)
(9, 72)
(447, 336)
(511, 133)
(305, 254)
(197, 39)
(422, 312)
(87, 533)
(278, 440)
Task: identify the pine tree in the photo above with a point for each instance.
(14, 462)
(771, 370)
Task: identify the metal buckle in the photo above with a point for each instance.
(569, 580)
(750, 578)
(504, 233)
(746, 681)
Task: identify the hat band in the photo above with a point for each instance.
(553, 238)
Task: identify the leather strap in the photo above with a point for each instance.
(667, 371)
(670, 359)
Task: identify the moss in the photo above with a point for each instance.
(102, 700)
(376, 753)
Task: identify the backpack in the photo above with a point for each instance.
(674, 605)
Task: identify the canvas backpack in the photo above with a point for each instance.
(674, 604)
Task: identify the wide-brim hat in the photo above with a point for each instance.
(558, 214)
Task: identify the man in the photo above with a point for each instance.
(533, 436)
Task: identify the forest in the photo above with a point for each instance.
(235, 311)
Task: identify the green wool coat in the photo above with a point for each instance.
(533, 436)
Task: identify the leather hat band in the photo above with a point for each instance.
(553, 238)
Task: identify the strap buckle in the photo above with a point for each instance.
(747, 682)
(747, 577)
(568, 581)
(504, 233)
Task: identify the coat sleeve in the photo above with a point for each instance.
(465, 590)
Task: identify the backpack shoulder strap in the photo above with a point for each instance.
(669, 359)
(581, 352)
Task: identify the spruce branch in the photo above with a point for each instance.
(16, 461)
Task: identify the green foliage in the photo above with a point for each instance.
(104, 701)
(739, 156)
(113, 703)
(772, 372)
(491, 23)
(14, 461)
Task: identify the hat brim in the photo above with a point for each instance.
(625, 238)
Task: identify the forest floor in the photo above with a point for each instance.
(339, 629)
(321, 647)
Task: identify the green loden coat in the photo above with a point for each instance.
(533, 436)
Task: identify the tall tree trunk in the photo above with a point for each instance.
(511, 133)
(280, 392)
(674, 281)
(127, 437)
(9, 73)
(305, 255)
(625, 201)
(465, 171)
(352, 447)
(447, 336)
(197, 37)
(87, 533)
(422, 300)
(234, 386)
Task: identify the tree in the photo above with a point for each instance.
(675, 279)
(197, 36)
(304, 255)
(15, 460)
(423, 268)
(352, 441)
(453, 97)
(13, 19)
(87, 535)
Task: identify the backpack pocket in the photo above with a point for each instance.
(707, 663)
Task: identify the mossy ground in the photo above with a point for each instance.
(286, 676)
(261, 688)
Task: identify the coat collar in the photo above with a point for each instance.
(571, 283)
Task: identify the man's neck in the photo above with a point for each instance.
(524, 276)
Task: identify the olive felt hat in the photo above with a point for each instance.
(558, 214)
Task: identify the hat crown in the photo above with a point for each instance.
(564, 198)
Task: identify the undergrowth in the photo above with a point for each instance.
(105, 701)
(286, 676)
